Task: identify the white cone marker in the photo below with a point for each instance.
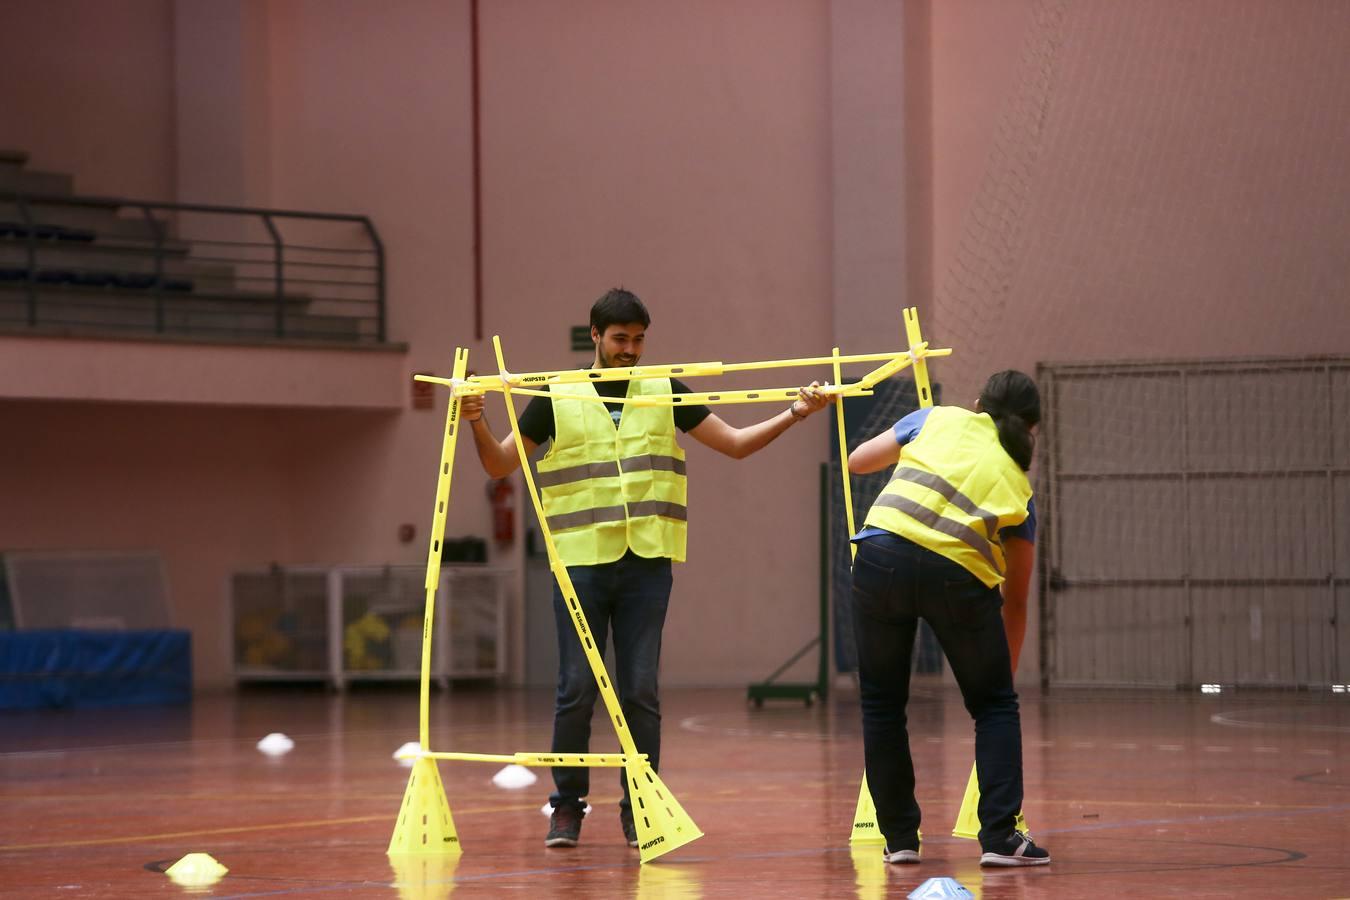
(514, 777)
(276, 744)
(407, 754)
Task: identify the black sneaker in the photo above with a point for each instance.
(900, 857)
(564, 826)
(629, 829)
(1017, 850)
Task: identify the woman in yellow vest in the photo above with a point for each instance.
(955, 524)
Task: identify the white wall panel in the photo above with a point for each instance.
(1267, 527)
(1263, 635)
(1120, 529)
(1257, 420)
(1100, 423)
(1120, 635)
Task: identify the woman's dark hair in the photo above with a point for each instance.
(1013, 402)
(618, 307)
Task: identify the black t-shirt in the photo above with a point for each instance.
(536, 423)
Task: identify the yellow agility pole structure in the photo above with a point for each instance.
(425, 825)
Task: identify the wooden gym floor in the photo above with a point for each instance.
(1157, 794)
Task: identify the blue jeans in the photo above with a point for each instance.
(895, 582)
(630, 596)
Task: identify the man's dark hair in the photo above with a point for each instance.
(1012, 400)
(618, 307)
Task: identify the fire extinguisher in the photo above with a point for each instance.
(500, 495)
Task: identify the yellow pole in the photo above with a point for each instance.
(761, 395)
(916, 341)
(564, 580)
(709, 398)
(434, 551)
(575, 376)
(521, 382)
(601, 760)
(843, 459)
(814, 361)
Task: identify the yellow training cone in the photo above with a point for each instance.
(196, 870)
(662, 824)
(968, 819)
(865, 830)
(424, 822)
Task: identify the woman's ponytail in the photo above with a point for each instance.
(1013, 402)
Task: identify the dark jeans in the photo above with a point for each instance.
(630, 596)
(895, 582)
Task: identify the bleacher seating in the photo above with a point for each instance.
(73, 264)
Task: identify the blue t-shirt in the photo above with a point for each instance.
(906, 430)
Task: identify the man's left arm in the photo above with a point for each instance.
(738, 443)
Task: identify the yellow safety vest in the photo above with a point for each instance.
(607, 489)
(953, 489)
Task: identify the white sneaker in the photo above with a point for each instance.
(900, 857)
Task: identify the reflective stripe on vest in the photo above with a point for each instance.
(954, 481)
(963, 533)
(606, 490)
(940, 485)
(652, 463)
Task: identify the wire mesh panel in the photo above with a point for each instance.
(476, 627)
(87, 590)
(281, 624)
(353, 623)
(382, 613)
(1196, 516)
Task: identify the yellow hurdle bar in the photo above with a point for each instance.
(710, 398)
(478, 384)
(576, 376)
(593, 760)
(766, 395)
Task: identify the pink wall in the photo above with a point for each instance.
(681, 150)
(703, 188)
(1138, 181)
(1161, 183)
(87, 89)
(1081, 180)
(205, 488)
(369, 112)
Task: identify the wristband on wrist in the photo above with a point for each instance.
(793, 409)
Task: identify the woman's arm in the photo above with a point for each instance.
(875, 454)
(1020, 555)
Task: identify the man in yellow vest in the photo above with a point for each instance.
(613, 490)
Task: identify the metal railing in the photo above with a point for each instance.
(135, 267)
